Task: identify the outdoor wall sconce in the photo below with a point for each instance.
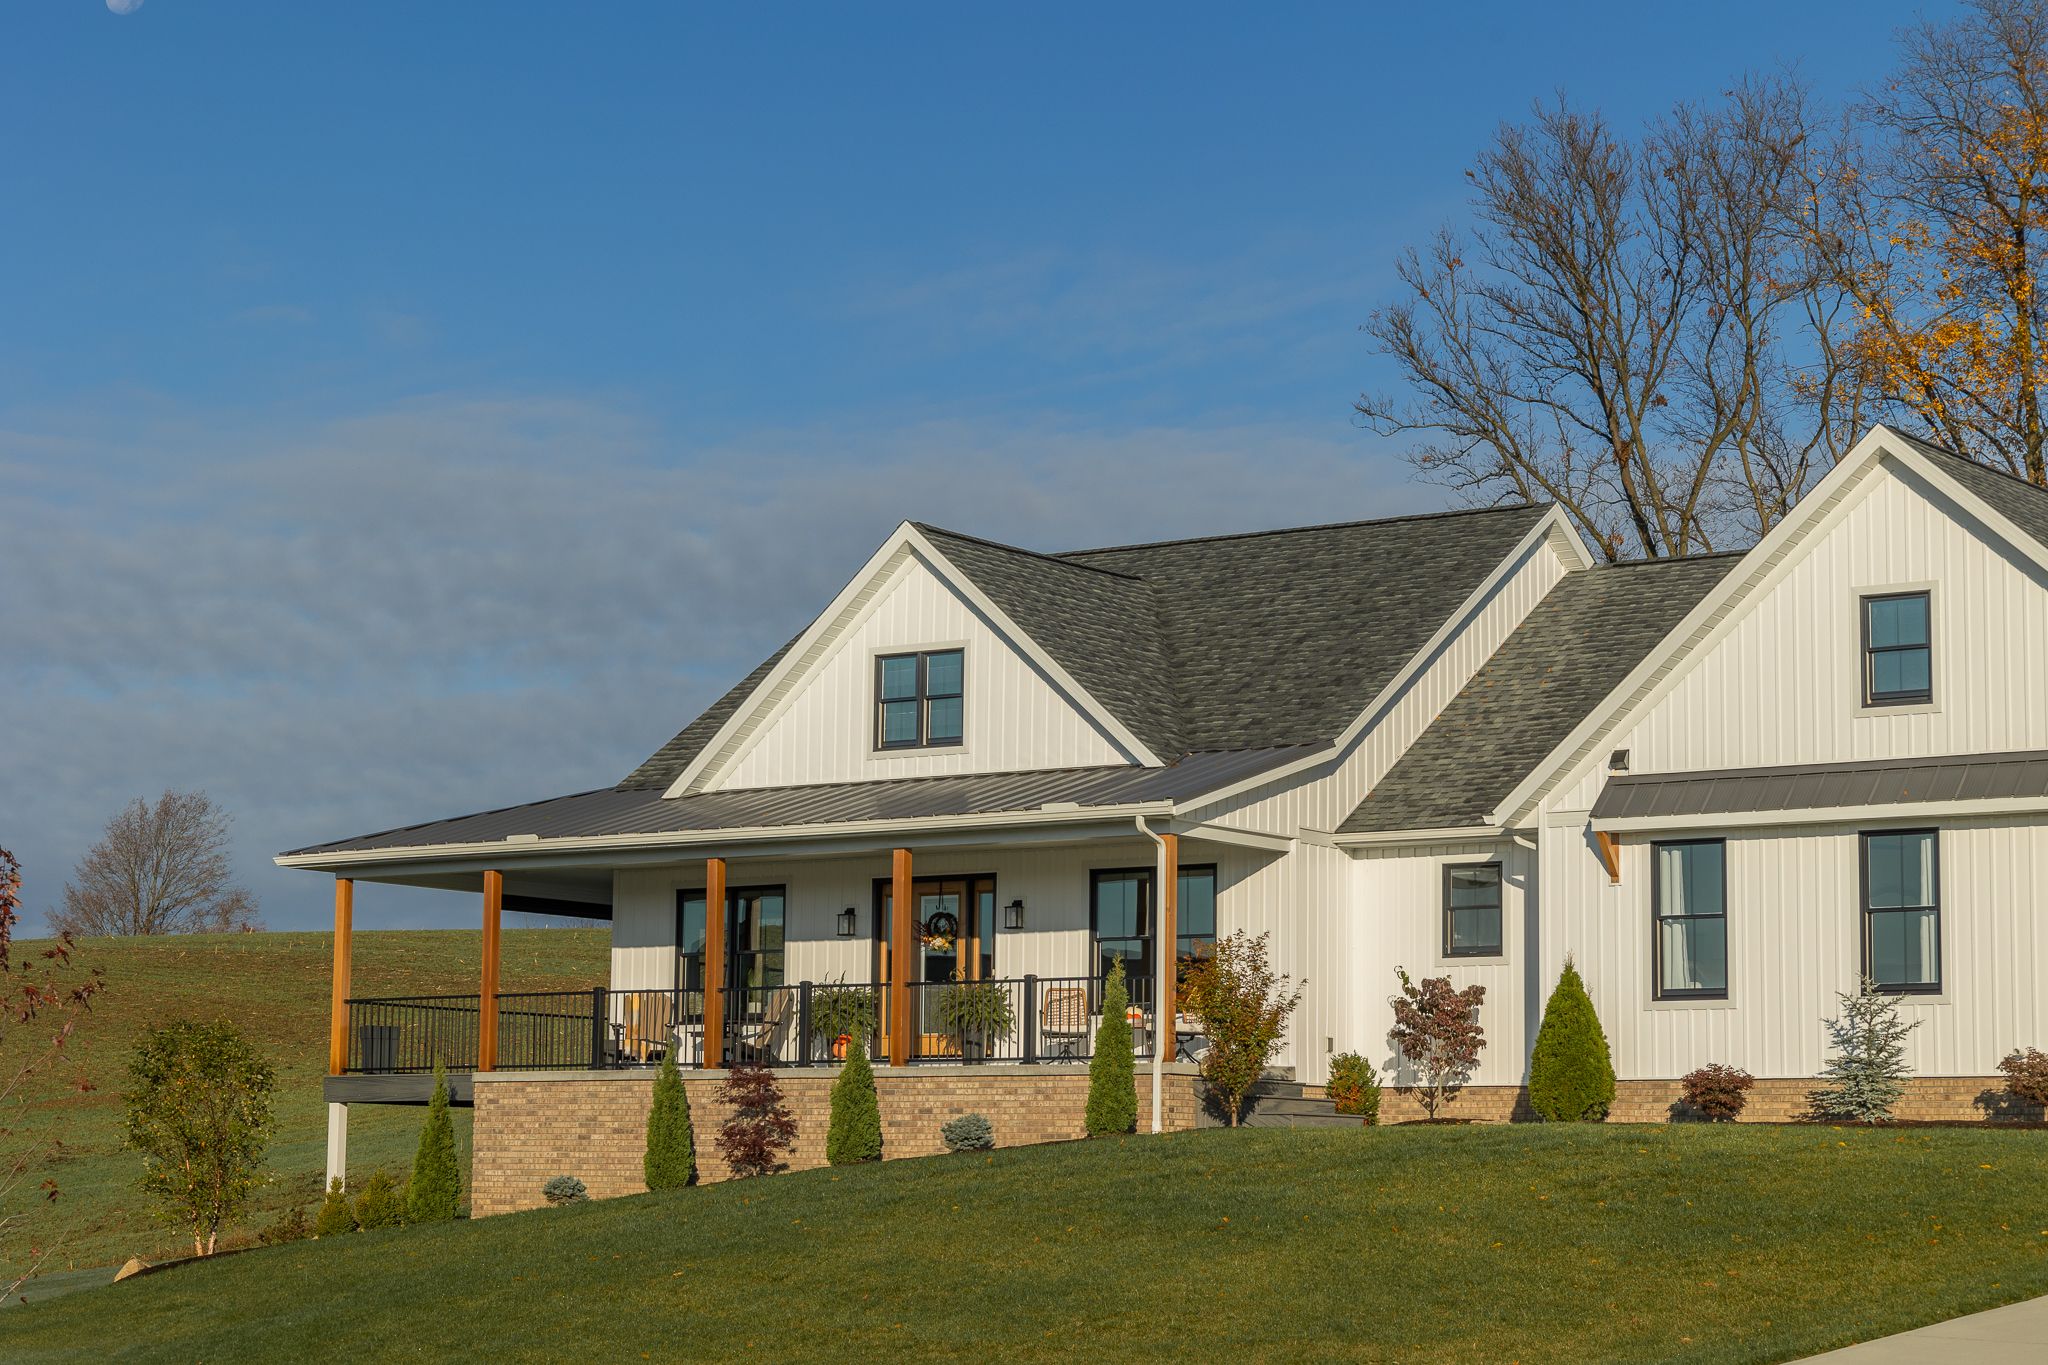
(846, 922)
(1013, 915)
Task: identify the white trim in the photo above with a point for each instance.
(1714, 615)
(1916, 812)
(886, 756)
(993, 824)
(1459, 834)
(1226, 834)
(719, 754)
(1552, 529)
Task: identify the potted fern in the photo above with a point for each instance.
(841, 1013)
(977, 1013)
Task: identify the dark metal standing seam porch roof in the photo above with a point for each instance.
(615, 811)
(1825, 786)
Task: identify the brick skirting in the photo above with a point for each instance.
(593, 1124)
(1774, 1100)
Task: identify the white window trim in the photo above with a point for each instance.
(1937, 646)
(874, 704)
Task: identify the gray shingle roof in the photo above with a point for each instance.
(1226, 642)
(2024, 504)
(1825, 786)
(620, 810)
(1573, 649)
(1101, 625)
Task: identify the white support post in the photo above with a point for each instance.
(337, 1145)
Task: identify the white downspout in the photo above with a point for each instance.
(1160, 1027)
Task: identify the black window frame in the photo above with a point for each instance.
(1870, 913)
(1872, 698)
(1658, 918)
(1500, 883)
(733, 954)
(923, 697)
(1148, 913)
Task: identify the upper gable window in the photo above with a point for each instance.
(918, 700)
(1898, 650)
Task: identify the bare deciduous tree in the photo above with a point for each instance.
(42, 1001)
(160, 868)
(1936, 223)
(1621, 330)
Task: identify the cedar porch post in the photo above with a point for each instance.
(900, 958)
(714, 962)
(344, 945)
(487, 996)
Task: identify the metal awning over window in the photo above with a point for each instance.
(1645, 800)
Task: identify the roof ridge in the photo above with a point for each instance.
(1318, 526)
(1063, 562)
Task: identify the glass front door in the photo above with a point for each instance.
(754, 961)
(952, 932)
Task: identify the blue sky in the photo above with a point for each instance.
(406, 409)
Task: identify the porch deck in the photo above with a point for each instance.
(1022, 1020)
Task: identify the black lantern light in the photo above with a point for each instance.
(846, 922)
(1013, 915)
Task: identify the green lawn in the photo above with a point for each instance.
(1527, 1243)
(275, 986)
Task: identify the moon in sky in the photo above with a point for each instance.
(124, 6)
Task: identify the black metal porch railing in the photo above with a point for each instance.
(1026, 1019)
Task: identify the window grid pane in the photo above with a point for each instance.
(1902, 910)
(1472, 910)
(1690, 900)
(1898, 649)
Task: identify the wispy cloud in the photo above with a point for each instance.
(465, 600)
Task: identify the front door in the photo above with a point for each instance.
(952, 932)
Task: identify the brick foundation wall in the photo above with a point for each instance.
(593, 1125)
(1774, 1100)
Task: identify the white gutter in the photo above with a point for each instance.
(525, 846)
(1166, 964)
(1894, 812)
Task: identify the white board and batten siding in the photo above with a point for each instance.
(1015, 718)
(1779, 683)
(1398, 892)
(1795, 940)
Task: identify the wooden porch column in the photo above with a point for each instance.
(487, 995)
(901, 956)
(344, 945)
(1169, 941)
(714, 962)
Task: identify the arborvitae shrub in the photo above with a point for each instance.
(1571, 1075)
(855, 1134)
(671, 1161)
(336, 1214)
(436, 1189)
(381, 1204)
(968, 1133)
(1354, 1086)
(1112, 1086)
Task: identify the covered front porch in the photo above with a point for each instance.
(983, 946)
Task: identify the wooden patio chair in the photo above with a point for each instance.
(756, 1039)
(1063, 1020)
(647, 1027)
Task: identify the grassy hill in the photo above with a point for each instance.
(275, 987)
(1537, 1243)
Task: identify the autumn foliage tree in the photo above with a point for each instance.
(1935, 222)
(160, 867)
(200, 1110)
(44, 997)
(1243, 1006)
(1438, 1035)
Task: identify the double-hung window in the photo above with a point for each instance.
(1689, 904)
(919, 699)
(1898, 649)
(1472, 910)
(1902, 910)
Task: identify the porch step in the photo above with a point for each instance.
(1281, 1104)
